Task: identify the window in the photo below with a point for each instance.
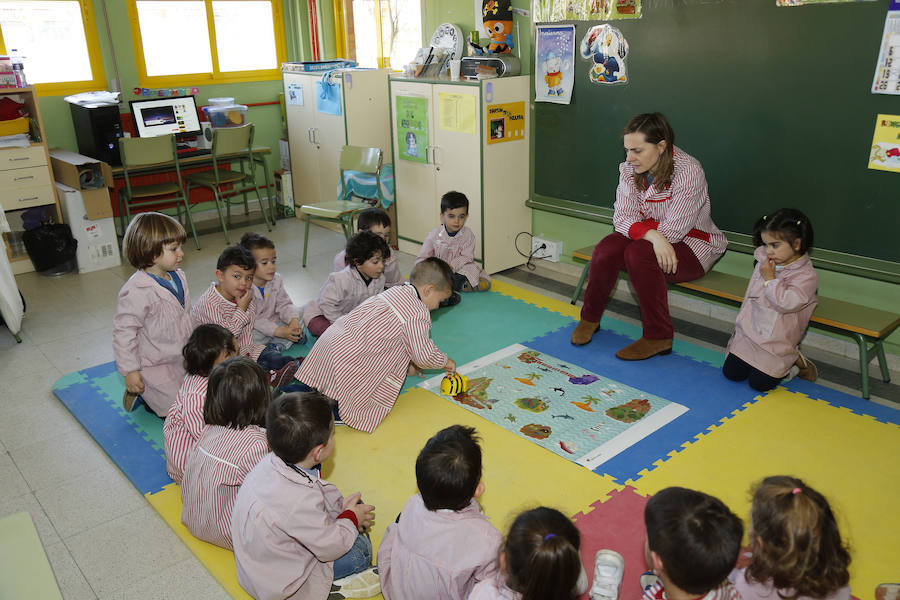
(386, 33)
(58, 40)
(242, 40)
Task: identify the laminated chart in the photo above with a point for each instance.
(581, 416)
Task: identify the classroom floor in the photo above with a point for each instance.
(101, 536)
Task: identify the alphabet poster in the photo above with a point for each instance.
(412, 128)
(554, 60)
(885, 153)
(505, 122)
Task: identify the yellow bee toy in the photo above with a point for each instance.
(454, 384)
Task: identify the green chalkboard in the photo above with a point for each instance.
(774, 102)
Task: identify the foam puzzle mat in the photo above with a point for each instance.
(728, 438)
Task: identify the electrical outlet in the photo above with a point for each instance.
(550, 251)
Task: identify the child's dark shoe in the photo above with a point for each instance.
(452, 300)
(807, 370)
(484, 284)
(129, 400)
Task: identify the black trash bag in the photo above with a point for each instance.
(51, 248)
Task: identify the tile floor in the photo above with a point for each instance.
(103, 540)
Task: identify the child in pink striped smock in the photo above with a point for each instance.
(209, 345)
(693, 541)
(361, 278)
(541, 558)
(153, 318)
(454, 243)
(277, 324)
(362, 360)
(378, 222)
(233, 441)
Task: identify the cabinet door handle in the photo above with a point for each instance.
(23, 177)
(20, 158)
(28, 199)
(315, 132)
(309, 135)
(434, 156)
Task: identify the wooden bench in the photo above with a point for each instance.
(865, 325)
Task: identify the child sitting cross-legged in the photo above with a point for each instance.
(229, 302)
(693, 541)
(295, 535)
(453, 242)
(277, 324)
(540, 559)
(362, 360)
(209, 345)
(361, 278)
(377, 221)
(232, 442)
(442, 544)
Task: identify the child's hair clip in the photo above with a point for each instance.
(765, 217)
(796, 491)
(798, 221)
(548, 536)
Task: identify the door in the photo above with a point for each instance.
(417, 205)
(457, 151)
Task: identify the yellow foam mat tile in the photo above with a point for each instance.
(851, 459)
(558, 306)
(518, 474)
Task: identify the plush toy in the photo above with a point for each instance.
(454, 384)
(607, 47)
(497, 17)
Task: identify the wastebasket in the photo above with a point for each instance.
(51, 248)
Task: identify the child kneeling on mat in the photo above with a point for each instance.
(294, 534)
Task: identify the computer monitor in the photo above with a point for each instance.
(162, 116)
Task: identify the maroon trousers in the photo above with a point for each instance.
(617, 252)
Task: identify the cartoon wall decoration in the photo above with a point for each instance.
(581, 416)
(550, 11)
(607, 48)
(554, 59)
(885, 153)
(412, 128)
(505, 122)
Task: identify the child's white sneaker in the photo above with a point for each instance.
(609, 567)
(360, 585)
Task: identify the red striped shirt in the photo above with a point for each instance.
(212, 307)
(681, 212)
(361, 360)
(184, 424)
(215, 468)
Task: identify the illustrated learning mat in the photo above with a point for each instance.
(579, 415)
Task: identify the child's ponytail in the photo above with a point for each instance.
(543, 559)
(795, 540)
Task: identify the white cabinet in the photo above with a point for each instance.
(316, 138)
(461, 155)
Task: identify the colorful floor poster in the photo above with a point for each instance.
(581, 416)
(551, 11)
(554, 63)
(607, 50)
(885, 154)
(505, 122)
(412, 128)
(457, 112)
(887, 69)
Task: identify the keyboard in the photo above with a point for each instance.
(186, 152)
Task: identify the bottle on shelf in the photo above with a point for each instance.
(18, 68)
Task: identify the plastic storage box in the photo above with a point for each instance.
(226, 115)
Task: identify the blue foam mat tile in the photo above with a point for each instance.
(855, 404)
(710, 397)
(136, 456)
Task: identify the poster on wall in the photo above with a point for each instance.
(458, 112)
(551, 11)
(295, 94)
(412, 128)
(607, 49)
(505, 122)
(887, 69)
(554, 67)
(885, 154)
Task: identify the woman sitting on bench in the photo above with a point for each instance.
(664, 234)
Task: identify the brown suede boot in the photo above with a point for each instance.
(584, 332)
(807, 370)
(644, 349)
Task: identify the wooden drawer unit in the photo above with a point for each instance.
(22, 178)
(20, 158)
(29, 196)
